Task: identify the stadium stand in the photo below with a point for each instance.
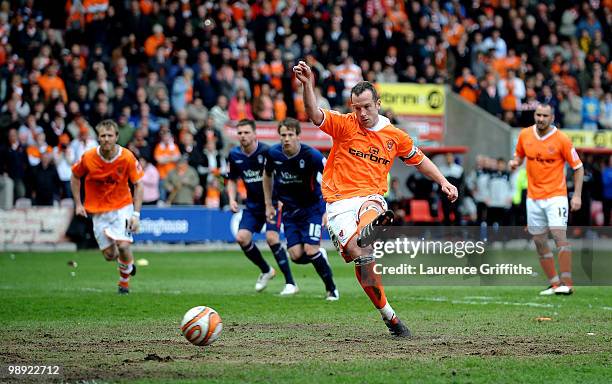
(180, 70)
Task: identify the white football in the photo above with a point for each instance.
(201, 325)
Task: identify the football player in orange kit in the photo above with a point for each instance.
(355, 179)
(107, 169)
(547, 149)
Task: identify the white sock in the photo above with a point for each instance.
(387, 312)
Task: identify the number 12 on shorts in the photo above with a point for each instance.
(314, 230)
(562, 212)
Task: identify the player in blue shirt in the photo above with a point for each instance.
(247, 162)
(295, 168)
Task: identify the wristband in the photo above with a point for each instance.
(136, 214)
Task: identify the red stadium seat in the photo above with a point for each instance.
(419, 212)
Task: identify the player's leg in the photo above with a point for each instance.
(371, 283)
(296, 232)
(317, 257)
(117, 230)
(102, 223)
(282, 260)
(126, 266)
(310, 235)
(111, 253)
(557, 214)
(249, 224)
(537, 225)
(343, 218)
(372, 217)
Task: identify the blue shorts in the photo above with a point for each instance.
(303, 226)
(253, 221)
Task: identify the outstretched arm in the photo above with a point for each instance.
(304, 75)
(429, 169)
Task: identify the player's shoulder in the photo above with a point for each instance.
(526, 131)
(90, 154)
(234, 152)
(347, 118)
(262, 147)
(562, 136)
(126, 154)
(307, 150)
(275, 150)
(387, 128)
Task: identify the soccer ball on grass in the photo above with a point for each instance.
(201, 325)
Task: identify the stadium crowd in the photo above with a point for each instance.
(173, 73)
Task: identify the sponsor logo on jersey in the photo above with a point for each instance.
(371, 156)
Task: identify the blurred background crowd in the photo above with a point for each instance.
(173, 73)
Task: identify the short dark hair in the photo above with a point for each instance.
(290, 123)
(363, 86)
(248, 122)
(547, 105)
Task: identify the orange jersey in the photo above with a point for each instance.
(360, 159)
(106, 182)
(546, 157)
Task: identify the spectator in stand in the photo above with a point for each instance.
(63, 159)
(590, 111)
(605, 119)
(606, 176)
(181, 183)
(499, 195)
(166, 155)
(467, 86)
(82, 142)
(50, 81)
(478, 184)
(46, 185)
(126, 130)
(240, 106)
(150, 182)
(13, 166)
(219, 112)
(140, 144)
(36, 150)
(454, 174)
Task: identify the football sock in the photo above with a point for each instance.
(252, 252)
(371, 283)
(281, 259)
(124, 273)
(366, 218)
(565, 264)
(323, 269)
(387, 312)
(547, 261)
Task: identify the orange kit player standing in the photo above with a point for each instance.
(355, 178)
(547, 149)
(107, 169)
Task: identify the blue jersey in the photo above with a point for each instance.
(250, 168)
(296, 181)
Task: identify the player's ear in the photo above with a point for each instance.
(378, 104)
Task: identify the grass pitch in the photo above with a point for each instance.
(462, 334)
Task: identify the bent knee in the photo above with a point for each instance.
(123, 247)
(111, 253)
(272, 238)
